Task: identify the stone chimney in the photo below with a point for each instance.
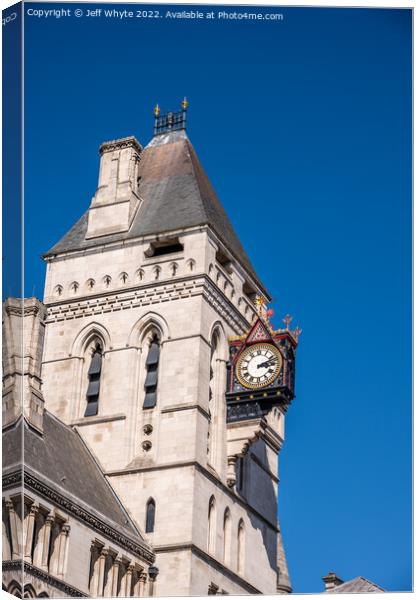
(23, 340)
(116, 199)
(331, 581)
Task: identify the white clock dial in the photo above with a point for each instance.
(258, 365)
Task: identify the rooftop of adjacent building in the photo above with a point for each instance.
(358, 585)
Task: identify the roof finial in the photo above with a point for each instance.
(156, 110)
(184, 104)
(297, 332)
(287, 320)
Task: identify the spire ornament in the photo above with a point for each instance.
(297, 332)
(287, 320)
(170, 121)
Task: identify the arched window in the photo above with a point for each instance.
(211, 526)
(240, 547)
(92, 394)
(150, 516)
(152, 367)
(15, 589)
(212, 400)
(29, 591)
(227, 537)
(216, 444)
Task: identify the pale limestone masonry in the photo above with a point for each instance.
(62, 522)
(110, 284)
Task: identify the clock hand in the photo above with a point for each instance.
(267, 363)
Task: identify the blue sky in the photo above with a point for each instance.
(304, 128)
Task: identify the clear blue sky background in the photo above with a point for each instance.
(304, 127)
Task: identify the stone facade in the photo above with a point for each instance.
(65, 532)
(114, 287)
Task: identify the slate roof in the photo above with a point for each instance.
(358, 585)
(176, 193)
(62, 461)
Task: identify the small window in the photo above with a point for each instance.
(227, 537)
(150, 516)
(240, 547)
(92, 394)
(151, 379)
(224, 261)
(165, 247)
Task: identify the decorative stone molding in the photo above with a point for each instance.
(69, 590)
(127, 142)
(80, 513)
(100, 419)
(146, 296)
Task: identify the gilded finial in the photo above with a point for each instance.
(156, 110)
(259, 301)
(184, 103)
(297, 333)
(287, 320)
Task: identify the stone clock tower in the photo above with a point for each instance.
(158, 349)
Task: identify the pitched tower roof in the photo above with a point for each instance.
(176, 194)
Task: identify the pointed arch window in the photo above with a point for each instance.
(150, 516)
(152, 368)
(94, 372)
(240, 547)
(211, 526)
(227, 537)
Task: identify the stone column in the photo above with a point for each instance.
(94, 553)
(115, 576)
(63, 548)
(152, 574)
(14, 529)
(101, 571)
(30, 526)
(128, 580)
(45, 543)
(142, 580)
(39, 541)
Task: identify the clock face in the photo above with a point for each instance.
(258, 365)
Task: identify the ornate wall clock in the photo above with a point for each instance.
(258, 365)
(260, 371)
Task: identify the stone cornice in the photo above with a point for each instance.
(127, 142)
(148, 295)
(177, 407)
(16, 565)
(34, 484)
(209, 560)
